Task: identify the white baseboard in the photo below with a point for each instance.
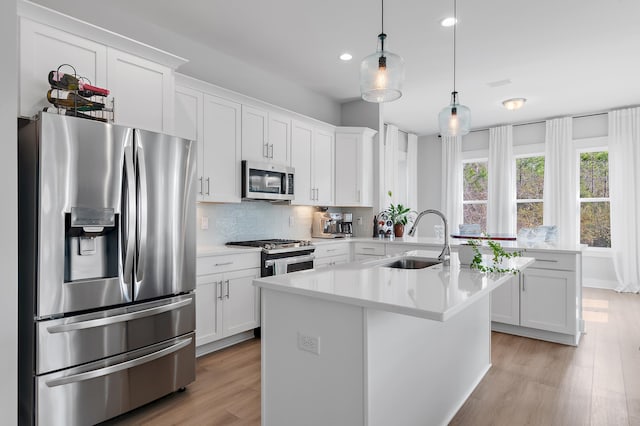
(595, 283)
(223, 343)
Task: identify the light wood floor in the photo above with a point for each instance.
(531, 382)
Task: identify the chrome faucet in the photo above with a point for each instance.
(446, 250)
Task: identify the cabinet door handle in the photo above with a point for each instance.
(200, 179)
(522, 279)
(227, 282)
(208, 186)
(271, 151)
(219, 284)
(358, 199)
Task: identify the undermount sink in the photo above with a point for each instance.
(413, 263)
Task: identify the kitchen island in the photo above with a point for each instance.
(366, 344)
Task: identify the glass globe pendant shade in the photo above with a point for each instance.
(454, 119)
(381, 75)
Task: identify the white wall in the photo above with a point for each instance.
(429, 181)
(597, 267)
(205, 63)
(9, 216)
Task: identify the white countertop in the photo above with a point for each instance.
(436, 293)
(455, 242)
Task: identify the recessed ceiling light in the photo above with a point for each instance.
(346, 56)
(448, 22)
(514, 103)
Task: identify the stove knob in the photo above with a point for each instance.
(268, 246)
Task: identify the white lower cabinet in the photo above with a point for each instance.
(227, 302)
(332, 254)
(368, 251)
(548, 300)
(543, 301)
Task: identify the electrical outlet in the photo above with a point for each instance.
(292, 221)
(359, 221)
(309, 343)
(204, 223)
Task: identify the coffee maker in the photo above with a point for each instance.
(347, 224)
(327, 225)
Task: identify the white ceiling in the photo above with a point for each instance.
(564, 56)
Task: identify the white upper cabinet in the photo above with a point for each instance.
(221, 153)
(44, 49)
(143, 92)
(301, 153)
(215, 123)
(265, 135)
(323, 166)
(312, 156)
(354, 166)
(139, 77)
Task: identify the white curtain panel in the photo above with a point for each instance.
(452, 180)
(560, 204)
(624, 160)
(501, 205)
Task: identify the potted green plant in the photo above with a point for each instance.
(499, 255)
(399, 215)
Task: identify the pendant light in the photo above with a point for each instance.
(382, 73)
(454, 119)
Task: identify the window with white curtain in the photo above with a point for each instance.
(595, 224)
(475, 182)
(529, 189)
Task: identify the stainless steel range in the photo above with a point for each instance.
(282, 256)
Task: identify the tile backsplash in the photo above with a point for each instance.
(252, 220)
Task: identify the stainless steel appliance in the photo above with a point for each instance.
(266, 181)
(347, 224)
(327, 225)
(282, 256)
(107, 269)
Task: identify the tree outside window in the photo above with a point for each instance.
(595, 224)
(475, 188)
(529, 189)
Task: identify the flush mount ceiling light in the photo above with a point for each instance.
(514, 103)
(448, 22)
(382, 73)
(346, 56)
(454, 119)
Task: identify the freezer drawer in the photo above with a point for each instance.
(95, 392)
(67, 342)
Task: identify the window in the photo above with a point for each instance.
(529, 188)
(475, 185)
(595, 225)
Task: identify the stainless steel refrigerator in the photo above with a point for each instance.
(106, 269)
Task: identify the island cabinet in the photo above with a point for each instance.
(368, 251)
(227, 303)
(266, 135)
(544, 301)
(312, 157)
(354, 166)
(365, 344)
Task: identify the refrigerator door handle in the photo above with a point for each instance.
(128, 225)
(141, 227)
(119, 367)
(101, 322)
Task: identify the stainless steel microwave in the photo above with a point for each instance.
(265, 181)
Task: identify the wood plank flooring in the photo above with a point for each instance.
(531, 382)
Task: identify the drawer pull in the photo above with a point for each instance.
(368, 248)
(224, 264)
(545, 260)
(330, 250)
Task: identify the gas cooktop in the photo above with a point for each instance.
(271, 245)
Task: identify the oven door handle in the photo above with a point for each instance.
(290, 260)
